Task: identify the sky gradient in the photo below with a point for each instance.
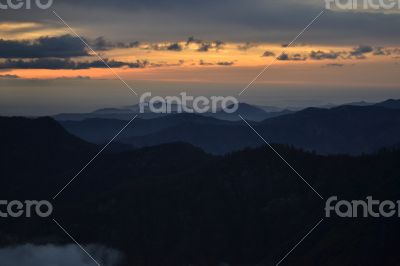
(204, 47)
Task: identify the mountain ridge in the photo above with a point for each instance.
(201, 209)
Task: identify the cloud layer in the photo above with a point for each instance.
(261, 20)
(50, 255)
(61, 47)
(50, 63)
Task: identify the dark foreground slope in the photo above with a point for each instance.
(175, 205)
(36, 149)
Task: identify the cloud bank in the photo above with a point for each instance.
(53, 63)
(60, 47)
(51, 255)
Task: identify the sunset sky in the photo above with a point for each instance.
(203, 47)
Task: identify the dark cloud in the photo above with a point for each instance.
(380, 51)
(59, 47)
(386, 51)
(165, 64)
(174, 47)
(102, 44)
(360, 51)
(246, 46)
(65, 46)
(219, 44)
(156, 47)
(226, 63)
(112, 64)
(320, 55)
(204, 63)
(74, 78)
(283, 57)
(8, 76)
(204, 47)
(221, 63)
(293, 57)
(42, 63)
(193, 40)
(335, 65)
(262, 21)
(54, 63)
(268, 54)
(286, 45)
(130, 44)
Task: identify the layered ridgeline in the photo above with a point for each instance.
(350, 129)
(175, 205)
(254, 113)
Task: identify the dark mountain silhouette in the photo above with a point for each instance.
(391, 103)
(36, 151)
(101, 130)
(271, 109)
(248, 111)
(344, 129)
(20, 135)
(360, 103)
(109, 114)
(175, 205)
(112, 111)
(216, 139)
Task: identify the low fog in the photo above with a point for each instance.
(51, 255)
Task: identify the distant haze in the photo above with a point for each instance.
(50, 97)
